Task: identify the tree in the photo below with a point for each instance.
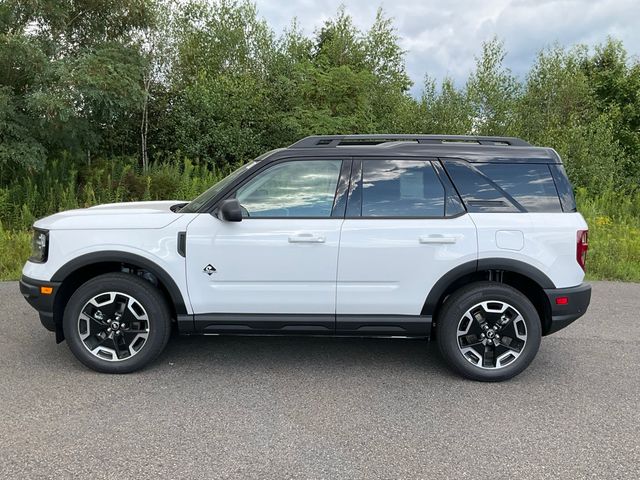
(218, 82)
(74, 70)
(446, 111)
(559, 107)
(615, 83)
(556, 95)
(23, 68)
(492, 91)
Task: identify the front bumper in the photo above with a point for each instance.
(44, 304)
(574, 304)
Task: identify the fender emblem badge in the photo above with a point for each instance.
(209, 269)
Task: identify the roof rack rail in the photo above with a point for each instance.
(376, 139)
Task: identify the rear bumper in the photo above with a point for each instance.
(577, 302)
(30, 289)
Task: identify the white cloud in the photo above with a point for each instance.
(442, 38)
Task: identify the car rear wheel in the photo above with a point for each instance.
(488, 331)
(117, 323)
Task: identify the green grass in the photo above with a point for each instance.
(14, 251)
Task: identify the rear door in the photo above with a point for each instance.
(404, 229)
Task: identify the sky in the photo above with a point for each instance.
(442, 38)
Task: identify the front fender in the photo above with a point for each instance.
(137, 260)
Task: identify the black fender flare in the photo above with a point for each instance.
(127, 258)
(504, 264)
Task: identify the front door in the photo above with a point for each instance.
(275, 271)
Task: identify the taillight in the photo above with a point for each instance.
(582, 245)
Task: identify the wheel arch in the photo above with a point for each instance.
(524, 277)
(77, 271)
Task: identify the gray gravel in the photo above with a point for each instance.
(233, 407)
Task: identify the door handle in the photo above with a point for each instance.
(306, 238)
(437, 239)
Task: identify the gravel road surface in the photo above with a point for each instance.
(269, 407)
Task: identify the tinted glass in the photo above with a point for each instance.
(401, 188)
(531, 185)
(292, 189)
(476, 191)
(565, 192)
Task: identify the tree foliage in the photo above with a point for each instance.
(209, 80)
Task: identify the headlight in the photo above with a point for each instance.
(39, 246)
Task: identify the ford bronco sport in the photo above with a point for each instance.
(474, 241)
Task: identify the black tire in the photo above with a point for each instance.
(146, 295)
(451, 316)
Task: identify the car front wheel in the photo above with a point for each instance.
(488, 331)
(117, 323)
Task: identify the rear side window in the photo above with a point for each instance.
(478, 193)
(531, 185)
(401, 188)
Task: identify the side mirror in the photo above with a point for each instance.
(230, 210)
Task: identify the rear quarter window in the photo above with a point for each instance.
(505, 187)
(478, 193)
(531, 185)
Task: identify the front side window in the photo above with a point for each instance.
(401, 188)
(292, 189)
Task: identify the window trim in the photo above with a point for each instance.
(234, 188)
(357, 174)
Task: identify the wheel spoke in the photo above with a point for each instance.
(95, 341)
(116, 345)
(102, 323)
(488, 359)
(509, 345)
(469, 340)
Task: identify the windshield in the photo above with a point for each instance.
(204, 197)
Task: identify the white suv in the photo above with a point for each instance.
(473, 240)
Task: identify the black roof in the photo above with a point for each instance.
(470, 148)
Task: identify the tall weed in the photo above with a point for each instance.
(62, 186)
(614, 234)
